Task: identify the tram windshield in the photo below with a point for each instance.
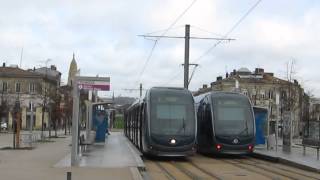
(233, 116)
(172, 113)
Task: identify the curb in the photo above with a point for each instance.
(136, 175)
(284, 161)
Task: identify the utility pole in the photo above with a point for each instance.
(140, 89)
(187, 38)
(186, 56)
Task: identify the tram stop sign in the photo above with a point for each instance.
(99, 84)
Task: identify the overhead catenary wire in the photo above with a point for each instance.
(230, 31)
(206, 31)
(156, 41)
(163, 30)
(218, 42)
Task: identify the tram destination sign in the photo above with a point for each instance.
(94, 83)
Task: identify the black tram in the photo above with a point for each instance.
(163, 123)
(225, 123)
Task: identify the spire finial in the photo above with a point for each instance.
(73, 56)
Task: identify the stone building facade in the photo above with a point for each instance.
(29, 88)
(314, 109)
(263, 89)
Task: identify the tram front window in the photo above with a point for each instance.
(233, 116)
(172, 115)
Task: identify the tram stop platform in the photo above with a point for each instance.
(116, 153)
(295, 157)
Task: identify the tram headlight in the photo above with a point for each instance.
(173, 141)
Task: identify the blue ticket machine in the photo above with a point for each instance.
(100, 124)
(261, 118)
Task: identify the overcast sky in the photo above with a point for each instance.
(103, 36)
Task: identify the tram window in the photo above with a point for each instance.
(176, 112)
(230, 114)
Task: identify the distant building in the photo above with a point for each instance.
(314, 109)
(262, 88)
(30, 88)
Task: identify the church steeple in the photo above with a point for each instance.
(72, 70)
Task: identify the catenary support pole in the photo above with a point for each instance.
(75, 124)
(186, 56)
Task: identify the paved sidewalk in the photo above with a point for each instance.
(295, 157)
(116, 152)
(39, 164)
(6, 138)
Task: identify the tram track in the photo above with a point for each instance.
(263, 171)
(285, 169)
(203, 167)
(254, 169)
(174, 170)
(211, 174)
(269, 169)
(190, 174)
(166, 172)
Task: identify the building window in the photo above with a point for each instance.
(18, 87)
(270, 94)
(245, 92)
(31, 106)
(262, 94)
(4, 86)
(31, 87)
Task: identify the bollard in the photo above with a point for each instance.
(68, 175)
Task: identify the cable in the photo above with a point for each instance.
(173, 78)
(218, 42)
(156, 41)
(148, 59)
(229, 32)
(203, 30)
(162, 30)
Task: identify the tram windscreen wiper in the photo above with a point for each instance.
(244, 130)
(183, 127)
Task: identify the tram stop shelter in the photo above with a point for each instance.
(116, 152)
(86, 83)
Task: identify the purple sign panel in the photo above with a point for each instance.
(94, 85)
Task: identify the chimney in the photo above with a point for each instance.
(259, 71)
(227, 74)
(4, 64)
(204, 86)
(34, 68)
(53, 67)
(219, 78)
(234, 72)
